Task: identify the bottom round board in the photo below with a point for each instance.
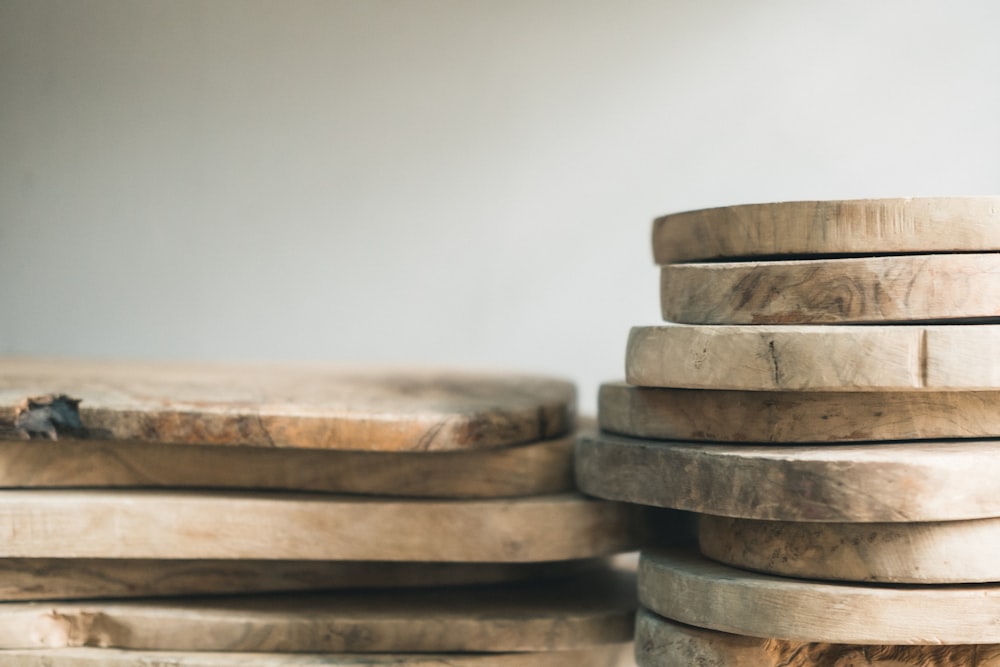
(691, 589)
(68, 578)
(950, 552)
(662, 643)
(597, 656)
(569, 613)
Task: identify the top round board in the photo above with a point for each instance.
(831, 228)
(283, 406)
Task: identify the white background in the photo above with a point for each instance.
(465, 182)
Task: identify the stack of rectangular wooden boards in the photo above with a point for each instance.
(200, 515)
(827, 405)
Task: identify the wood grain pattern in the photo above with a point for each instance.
(313, 406)
(690, 589)
(940, 481)
(569, 613)
(903, 288)
(594, 656)
(229, 525)
(845, 227)
(797, 416)
(811, 358)
(949, 552)
(72, 578)
(662, 643)
(536, 468)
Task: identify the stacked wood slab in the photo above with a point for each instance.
(827, 406)
(218, 515)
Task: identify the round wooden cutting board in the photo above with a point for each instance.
(663, 643)
(690, 589)
(535, 468)
(591, 610)
(948, 552)
(893, 482)
(797, 416)
(229, 525)
(811, 358)
(838, 228)
(902, 288)
(84, 578)
(282, 406)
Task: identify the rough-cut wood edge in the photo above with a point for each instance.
(564, 614)
(229, 525)
(902, 288)
(706, 415)
(70, 578)
(693, 590)
(596, 656)
(815, 358)
(844, 227)
(536, 468)
(897, 482)
(663, 643)
(307, 406)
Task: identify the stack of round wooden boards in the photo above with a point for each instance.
(827, 404)
(216, 515)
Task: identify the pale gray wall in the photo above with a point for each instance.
(455, 181)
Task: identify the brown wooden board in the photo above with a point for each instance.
(663, 643)
(845, 227)
(690, 589)
(797, 416)
(595, 656)
(71, 578)
(948, 552)
(314, 406)
(815, 358)
(594, 609)
(229, 525)
(535, 468)
(939, 481)
(903, 288)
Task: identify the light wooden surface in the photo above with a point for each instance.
(938, 481)
(812, 358)
(902, 288)
(688, 588)
(565, 614)
(313, 406)
(72, 578)
(536, 468)
(845, 227)
(797, 416)
(949, 552)
(229, 525)
(595, 656)
(661, 643)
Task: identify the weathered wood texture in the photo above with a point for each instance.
(519, 470)
(296, 406)
(797, 416)
(939, 481)
(811, 358)
(847, 227)
(228, 525)
(662, 643)
(72, 578)
(564, 614)
(949, 552)
(595, 656)
(691, 589)
(903, 288)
